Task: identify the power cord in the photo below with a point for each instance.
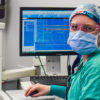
(42, 66)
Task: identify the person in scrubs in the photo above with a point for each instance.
(84, 38)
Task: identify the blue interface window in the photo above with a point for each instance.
(45, 30)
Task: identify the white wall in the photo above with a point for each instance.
(11, 57)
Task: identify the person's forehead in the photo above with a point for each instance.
(82, 19)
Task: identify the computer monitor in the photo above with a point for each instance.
(44, 31)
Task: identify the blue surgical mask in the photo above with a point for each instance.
(82, 42)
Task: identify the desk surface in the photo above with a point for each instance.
(19, 95)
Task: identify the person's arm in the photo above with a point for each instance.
(57, 90)
(46, 90)
(91, 85)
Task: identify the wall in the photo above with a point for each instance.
(11, 58)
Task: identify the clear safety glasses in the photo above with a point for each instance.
(83, 27)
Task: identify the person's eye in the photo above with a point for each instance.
(88, 28)
(74, 27)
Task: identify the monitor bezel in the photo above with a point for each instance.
(51, 53)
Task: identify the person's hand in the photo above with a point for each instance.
(42, 90)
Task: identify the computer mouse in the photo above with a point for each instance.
(32, 93)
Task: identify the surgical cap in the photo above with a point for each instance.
(91, 10)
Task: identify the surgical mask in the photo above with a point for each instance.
(83, 43)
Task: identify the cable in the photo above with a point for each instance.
(42, 66)
(68, 65)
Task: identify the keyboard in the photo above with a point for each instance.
(50, 80)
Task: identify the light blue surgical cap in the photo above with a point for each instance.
(90, 10)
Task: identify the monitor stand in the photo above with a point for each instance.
(53, 65)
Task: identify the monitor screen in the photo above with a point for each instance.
(44, 31)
